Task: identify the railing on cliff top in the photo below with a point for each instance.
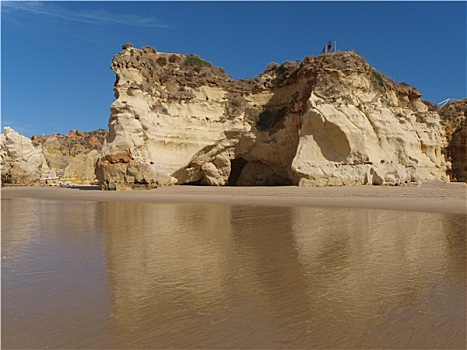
(331, 47)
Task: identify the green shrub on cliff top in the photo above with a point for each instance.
(378, 77)
(196, 61)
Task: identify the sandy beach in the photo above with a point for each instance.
(436, 197)
(234, 267)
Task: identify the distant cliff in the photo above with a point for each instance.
(33, 161)
(326, 121)
(72, 156)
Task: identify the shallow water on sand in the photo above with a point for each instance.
(130, 275)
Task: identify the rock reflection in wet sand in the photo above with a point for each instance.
(220, 276)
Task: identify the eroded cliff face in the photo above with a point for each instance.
(329, 120)
(21, 161)
(48, 159)
(458, 151)
(454, 117)
(72, 156)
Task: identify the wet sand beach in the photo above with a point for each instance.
(234, 267)
(436, 197)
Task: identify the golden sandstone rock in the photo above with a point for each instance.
(330, 120)
(47, 159)
(454, 117)
(21, 161)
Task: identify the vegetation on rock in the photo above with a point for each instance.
(196, 61)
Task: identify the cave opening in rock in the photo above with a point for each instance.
(236, 166)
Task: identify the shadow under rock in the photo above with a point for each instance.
(85, 188)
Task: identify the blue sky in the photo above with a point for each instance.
(55, 56)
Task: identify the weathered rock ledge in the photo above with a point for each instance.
(329, 120)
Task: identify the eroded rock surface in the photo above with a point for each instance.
(329, 120)
(454, 117)
(21, 161)
(72, 156)
(42, 159)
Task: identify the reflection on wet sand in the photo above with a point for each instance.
(162, 257)
(134, 275)
(260, 277)
(54, 283)
(383, 278)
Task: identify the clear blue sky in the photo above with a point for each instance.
(56, 56)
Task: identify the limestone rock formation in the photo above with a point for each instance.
(32, 161)
(72, 156)
(458, 151)
(21, 161)
(454, 117)
(328, 120)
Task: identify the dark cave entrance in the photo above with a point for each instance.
(236, 166)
